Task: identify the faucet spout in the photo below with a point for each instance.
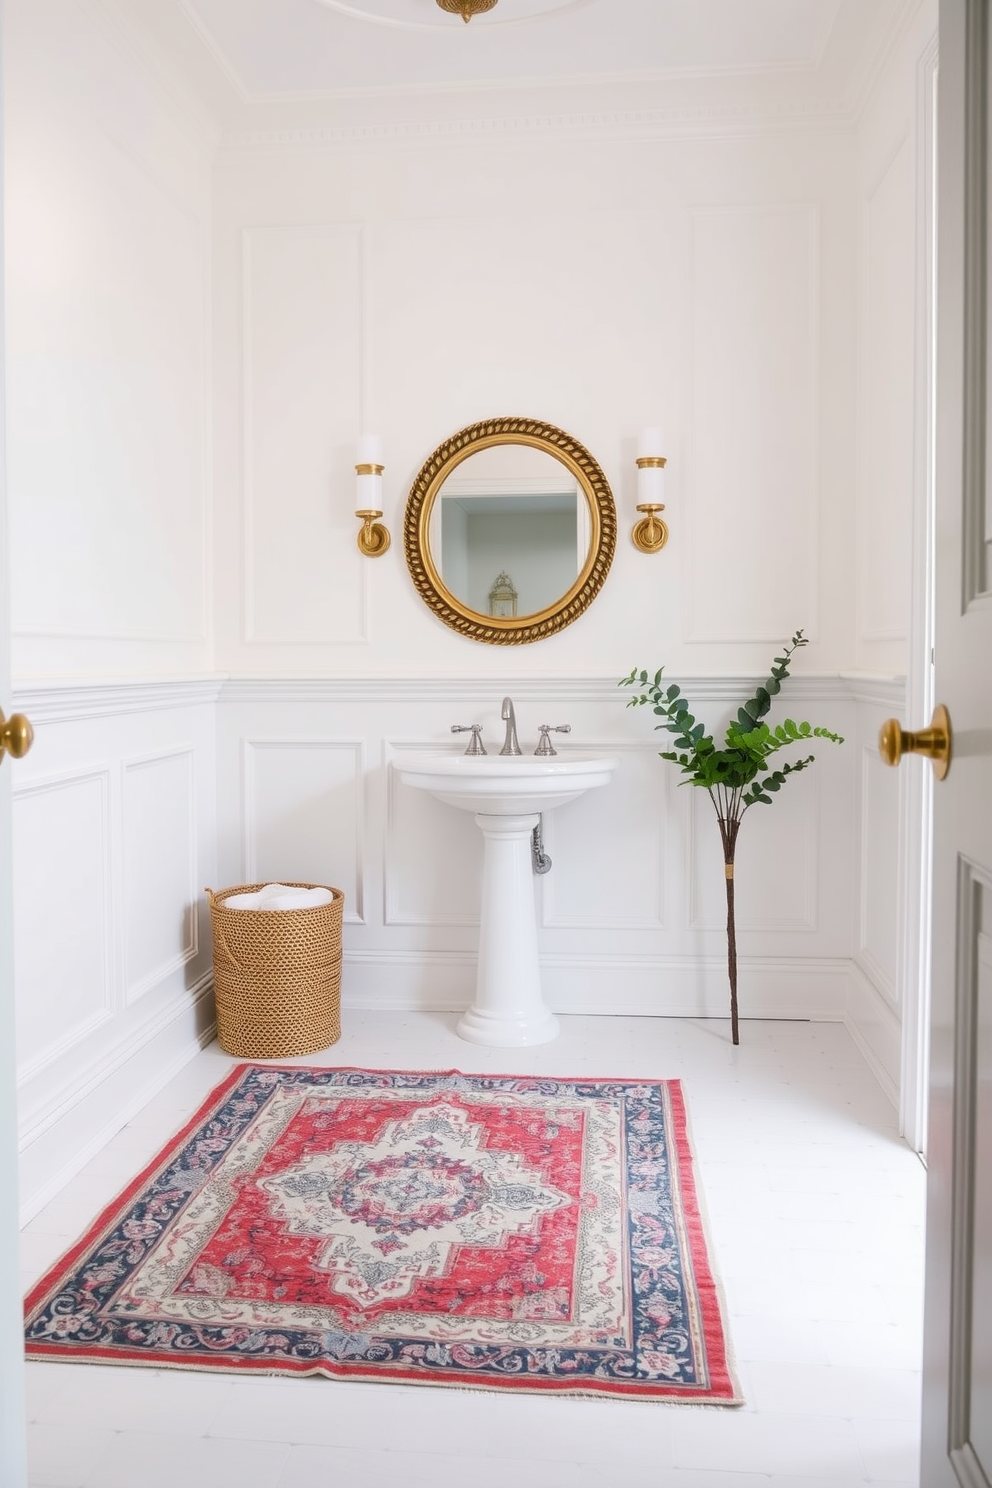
(510, 745)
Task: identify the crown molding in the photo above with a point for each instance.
(678, 122)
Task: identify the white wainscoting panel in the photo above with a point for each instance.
(115, 836)
(158, 810)
(776, 860)
(432, 853)
(609, 848)
(884, 897)
(302, 345)
(303, 814)
(619, 929)
(64, 959)
(304, 778)
(752, 481)
(879, 905)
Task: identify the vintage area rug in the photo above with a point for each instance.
(497, 1232)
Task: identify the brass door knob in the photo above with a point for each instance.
(16, 735)
(934, 742)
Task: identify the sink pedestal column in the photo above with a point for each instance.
(509, 1010)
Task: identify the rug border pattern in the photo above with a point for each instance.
(705, 1305)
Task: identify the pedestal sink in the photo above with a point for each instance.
(507, 794)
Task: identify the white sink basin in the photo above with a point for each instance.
(507, 793)
(503, 784)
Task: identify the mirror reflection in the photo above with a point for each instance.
(509, 531)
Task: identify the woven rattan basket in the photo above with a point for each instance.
(277, 975)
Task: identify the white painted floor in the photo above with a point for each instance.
(816, 1224)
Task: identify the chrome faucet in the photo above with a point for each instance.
(510, 745)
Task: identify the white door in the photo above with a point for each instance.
(13, 1467)
(957, 1395)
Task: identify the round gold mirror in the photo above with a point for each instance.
(510, 531)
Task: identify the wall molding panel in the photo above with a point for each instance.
(727, 687)
(753, 483)
(294, 778)
(67, 1122)
(875, 1027)
(883, 900)
(630, 894)
(618, 924)
(135, 848)
(73, 702)
(303, 814)
(70, 984)
(878, 906)
(788, 871)
(444, 889)
(159, 838)
(303, 334)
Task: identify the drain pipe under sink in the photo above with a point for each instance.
(539, 858)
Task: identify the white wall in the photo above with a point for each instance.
(412, 286)
(199, 339)
(107, 267)
(586, 278)
(107, 260)
(893, 482)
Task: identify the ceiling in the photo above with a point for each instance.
(240, 57)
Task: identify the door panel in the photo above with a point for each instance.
(13, 1468)
(957, 1399)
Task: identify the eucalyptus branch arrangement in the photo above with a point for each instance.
(739, 775)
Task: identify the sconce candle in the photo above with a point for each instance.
(373, 540)
(651, 533)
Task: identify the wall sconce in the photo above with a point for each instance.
(373, 540)
(651, 533)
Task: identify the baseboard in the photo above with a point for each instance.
(876, 1030)
(55, 1150)
(768, 987)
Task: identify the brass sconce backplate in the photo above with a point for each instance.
(651, 533)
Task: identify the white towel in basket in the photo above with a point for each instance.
(279, 896)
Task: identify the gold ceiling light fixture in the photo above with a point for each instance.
(466, 8)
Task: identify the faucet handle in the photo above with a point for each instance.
(475, 745)
(544, 745)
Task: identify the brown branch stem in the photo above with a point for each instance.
(729, 827)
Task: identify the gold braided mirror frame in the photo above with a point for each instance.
(522, 629)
